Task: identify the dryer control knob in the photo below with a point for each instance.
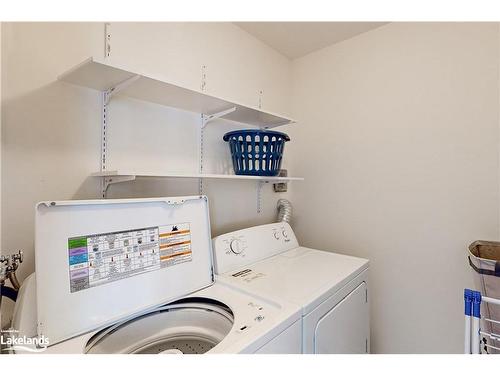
(236, 246)
(285, 233)
(277, 235)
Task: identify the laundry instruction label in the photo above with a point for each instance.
(98, 259)
(248, 275)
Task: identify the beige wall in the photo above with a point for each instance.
(0, 141)
(51, 130)
(0, 150)
(398, 144)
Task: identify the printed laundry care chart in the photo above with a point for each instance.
(97, 259)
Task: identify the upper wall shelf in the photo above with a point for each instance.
(99, 75)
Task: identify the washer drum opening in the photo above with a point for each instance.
(183, 327)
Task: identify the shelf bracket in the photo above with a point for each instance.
(119, 87)
(260, 185)
(214, 116)
(108, 181)
(104, 129)
(106, 97)
(201, 151)
(107, 40)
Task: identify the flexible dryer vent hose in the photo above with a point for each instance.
(14, 281)
(284, 210)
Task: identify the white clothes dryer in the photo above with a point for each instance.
(136, 276)
(332, 289)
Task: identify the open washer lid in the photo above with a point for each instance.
(100, 261)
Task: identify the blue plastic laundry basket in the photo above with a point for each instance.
(256, 152)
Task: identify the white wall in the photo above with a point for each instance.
(398, 143)
(401, 124)
(51, 130)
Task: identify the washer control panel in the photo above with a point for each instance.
(237, 245)
(238, 249)
(234, 246)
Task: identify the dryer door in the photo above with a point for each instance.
(345, 328)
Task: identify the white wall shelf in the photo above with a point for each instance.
(102, 76)
(115, 177)
(133, 175)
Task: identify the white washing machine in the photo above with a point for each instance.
(332, 289)
(136, 276)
